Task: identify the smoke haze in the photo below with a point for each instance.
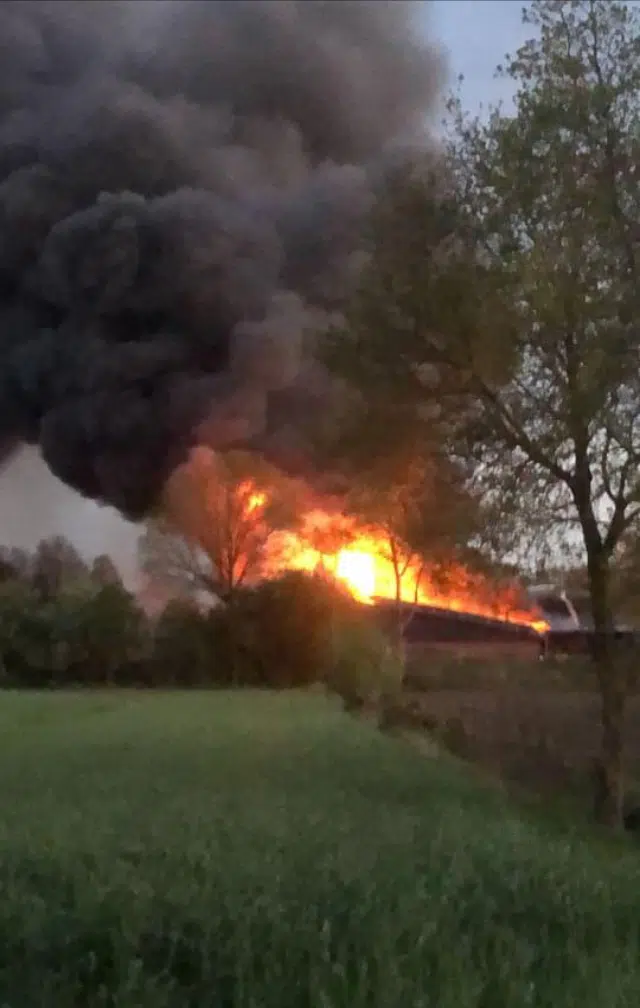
(181, 192)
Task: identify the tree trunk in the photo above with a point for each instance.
(609, 796)
(234, 640)
(400, 643)
(400, 623)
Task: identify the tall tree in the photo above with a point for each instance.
(56, 564)
(510, 292)
(418, 511)
(177, 563)
(220, 512)
(18, 560)
(104, 571)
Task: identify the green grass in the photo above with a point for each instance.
(253, 851)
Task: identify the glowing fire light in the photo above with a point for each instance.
(359, 556)
(366, 567)
(257, 499)
(358, 570)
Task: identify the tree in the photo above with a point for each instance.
(15, 563)
(56, 564)
(171, 560)
(7, 571)
(293, 627)
(190, 647)
(104, 572)
(419, 513)
(505, 294)
(99, 634)
(220, 512)
(115, 632)
(25, 637)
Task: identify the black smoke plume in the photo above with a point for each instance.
(182, 186)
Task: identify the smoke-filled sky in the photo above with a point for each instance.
(181, 188)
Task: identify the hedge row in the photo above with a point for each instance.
(290, 632)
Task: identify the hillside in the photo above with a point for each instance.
(244, 850)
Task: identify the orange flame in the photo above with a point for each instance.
(256, 499)
(373, 567)
(363, 558)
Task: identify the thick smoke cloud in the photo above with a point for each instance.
(182, 187)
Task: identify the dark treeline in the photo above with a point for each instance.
(65, 624)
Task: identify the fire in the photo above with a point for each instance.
(357, 569)
(374, 568)
(256, 498)
(362, 557)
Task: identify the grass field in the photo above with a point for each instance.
(256, 851)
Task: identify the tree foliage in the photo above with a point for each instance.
(220, 513)
(277, 634)
(7, 571)
(285, 624)
(15, 562)
(110, 632)
(190, 648)
(56, 564)
(104, 572)
(419, 502)
(171, 560)
(504, 296)
(26, 637)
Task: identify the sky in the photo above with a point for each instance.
(475, 34)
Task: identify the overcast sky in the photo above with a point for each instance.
(33, 504)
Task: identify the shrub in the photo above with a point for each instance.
(190, 648)
(109, 635)
(302, 629)
(283, 628)
(455, 737)
(296, 630)
(75, 637)
(365, 669)
(406, 711)
(26, 637)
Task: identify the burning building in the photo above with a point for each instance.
(234, 519)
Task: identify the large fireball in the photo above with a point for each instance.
(361, 556)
